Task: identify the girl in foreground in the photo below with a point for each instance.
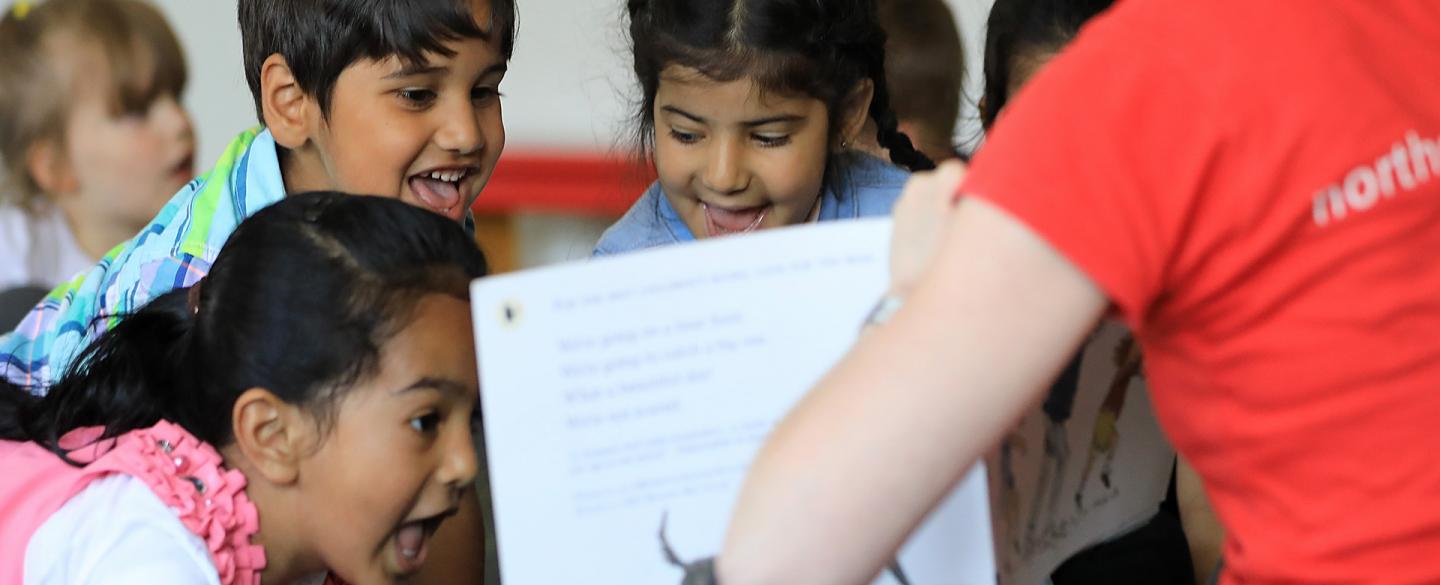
(307, 406)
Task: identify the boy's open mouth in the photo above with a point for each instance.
(412, 541)
(440, 191)
(723, 222)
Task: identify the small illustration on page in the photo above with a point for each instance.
(1106, 437)
(701, 571)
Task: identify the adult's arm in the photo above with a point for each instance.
(856, 466)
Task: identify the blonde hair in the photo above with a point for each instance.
(144, 58)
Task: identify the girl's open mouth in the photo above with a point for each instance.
(412, 541)
(724, 222)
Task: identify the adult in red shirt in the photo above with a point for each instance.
(1255, 188)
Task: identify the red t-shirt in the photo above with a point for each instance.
(1256, 186)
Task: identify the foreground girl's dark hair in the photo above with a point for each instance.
(299, 302)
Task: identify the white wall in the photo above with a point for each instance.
(567, 87)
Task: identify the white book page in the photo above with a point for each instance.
(628, 393)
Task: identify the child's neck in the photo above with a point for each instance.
(287, 559)
(301, 169)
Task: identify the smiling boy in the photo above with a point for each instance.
(385, 98)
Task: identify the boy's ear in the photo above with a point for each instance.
(285, 105)
(274, 436)
(857, 111)
(50, 168)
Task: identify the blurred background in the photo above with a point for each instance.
(567, 171)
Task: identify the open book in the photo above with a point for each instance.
(624, 398)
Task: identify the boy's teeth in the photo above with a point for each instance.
(447, 176)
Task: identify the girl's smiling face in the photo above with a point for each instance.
(732, 158)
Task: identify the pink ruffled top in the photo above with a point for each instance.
(185, 473)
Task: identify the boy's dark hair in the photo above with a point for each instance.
(924, 64)
(819, 49)
(320, 38)
(1027, 29)
(300, 302)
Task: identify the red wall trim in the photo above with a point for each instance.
(572, 183)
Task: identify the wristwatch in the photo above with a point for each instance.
(883, 310)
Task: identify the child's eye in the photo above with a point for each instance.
(131, 112)
(426, 423)
(772, 140)
(485, 94)
(417, 97)
(684, 137)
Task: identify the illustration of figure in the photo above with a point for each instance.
(1106, 437)
(1057, 408)
(1009, 490)
(702, 572)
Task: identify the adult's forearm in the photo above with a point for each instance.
(880, 441)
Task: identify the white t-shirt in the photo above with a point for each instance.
(117, 532)
(38, 250)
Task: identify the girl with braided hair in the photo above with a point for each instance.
(759, 114)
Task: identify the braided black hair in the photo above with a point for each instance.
(902, 150)
(821, 48)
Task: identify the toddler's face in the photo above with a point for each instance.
(126, 165)
(400, 454)
(732, 159)
(428, 134)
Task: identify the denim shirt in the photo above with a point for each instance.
(863, 186)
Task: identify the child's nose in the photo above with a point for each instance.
(461, 133)
(725, 169)
(461, 465)
(174, 119)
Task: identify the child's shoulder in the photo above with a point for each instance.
(40, 249)
(114, 526)
(643, 226)
(14, 231)
(874, 184)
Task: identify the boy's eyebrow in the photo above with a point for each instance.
(415, 70)
(445, 386)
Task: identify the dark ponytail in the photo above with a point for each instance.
(823, 49)
(298, 302)
(129, 375)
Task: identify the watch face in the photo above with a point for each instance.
(884, 309)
